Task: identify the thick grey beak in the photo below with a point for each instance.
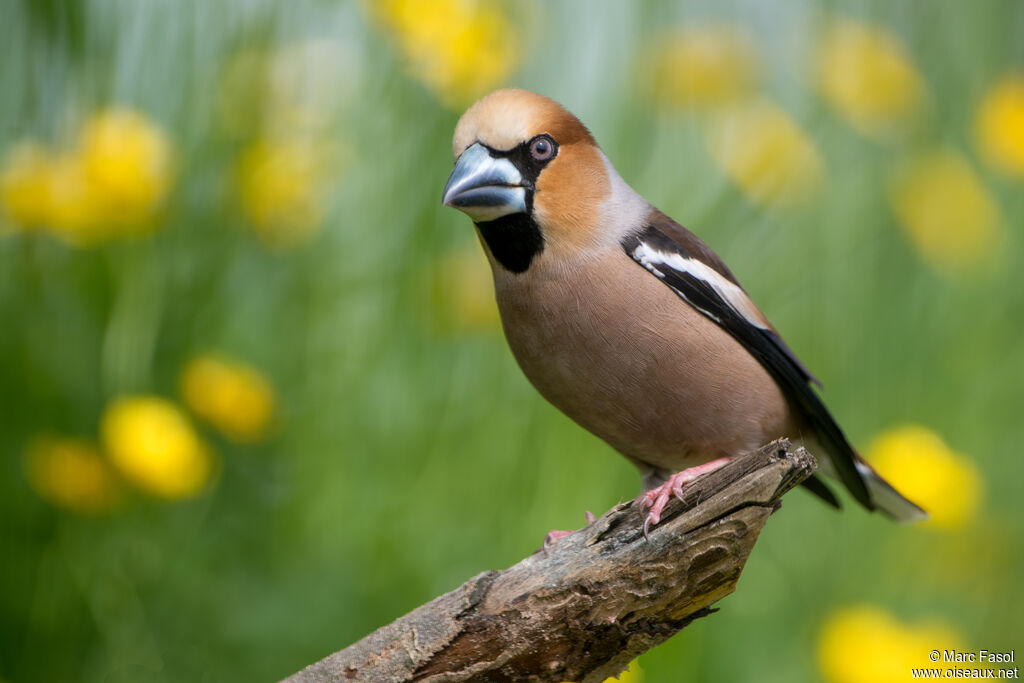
(485, 188)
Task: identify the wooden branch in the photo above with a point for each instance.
(584, 608)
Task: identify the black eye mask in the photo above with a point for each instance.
(515, 239)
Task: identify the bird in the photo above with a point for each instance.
(628, 322)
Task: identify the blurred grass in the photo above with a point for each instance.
(407, 452)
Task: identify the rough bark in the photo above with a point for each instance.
(584, 608)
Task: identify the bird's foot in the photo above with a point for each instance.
(556, 534)
(657, 498)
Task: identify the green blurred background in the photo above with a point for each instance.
(254, 398)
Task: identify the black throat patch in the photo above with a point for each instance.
(516, 239)
(513, 240)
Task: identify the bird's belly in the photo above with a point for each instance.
(637, 366)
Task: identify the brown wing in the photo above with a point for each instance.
(697, 275)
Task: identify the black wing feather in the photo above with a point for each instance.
(763, 344)
(667, 236)
(815, 485)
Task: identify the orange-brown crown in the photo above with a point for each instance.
(505, 118)
(569, 192)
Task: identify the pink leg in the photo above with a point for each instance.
(556, 534)
(657, 498)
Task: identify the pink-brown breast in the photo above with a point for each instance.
(622, 355)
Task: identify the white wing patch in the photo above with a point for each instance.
(727, 291)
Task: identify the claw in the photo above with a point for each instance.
(677, 491)
(657, 498)
(556, 534)
(553, 536)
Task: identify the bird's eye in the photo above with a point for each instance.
(542, 148)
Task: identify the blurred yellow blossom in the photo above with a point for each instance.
(459, 48)
(946, 211)
(74, 213)
(233, 397)
(41, 190)
(151, 442)
(706, 65)
(1000, 125)
(633, 674)
(920, 465)
(25, 185)
(282, 184)
(111, 183)
(127, 164)
(71, 473)
(464, 291)
(766, 153)
(865, 73)
(865, 644)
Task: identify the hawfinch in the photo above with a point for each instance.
(625, 320)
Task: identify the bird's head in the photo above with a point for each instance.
(529, 175)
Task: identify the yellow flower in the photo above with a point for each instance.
(632, 674)
(946, 211)
(282, 184)
(864, 644)
(464, 292)
(25, 185)
(865, 74)
(41, 190)
(233, 397)
(700, 66)
(1000, 125)
(459, 48)
(110, 184)
(920, 464)
(74, 215)
(126, 162)
(153, 445)
(71, 473)
(766, 153)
